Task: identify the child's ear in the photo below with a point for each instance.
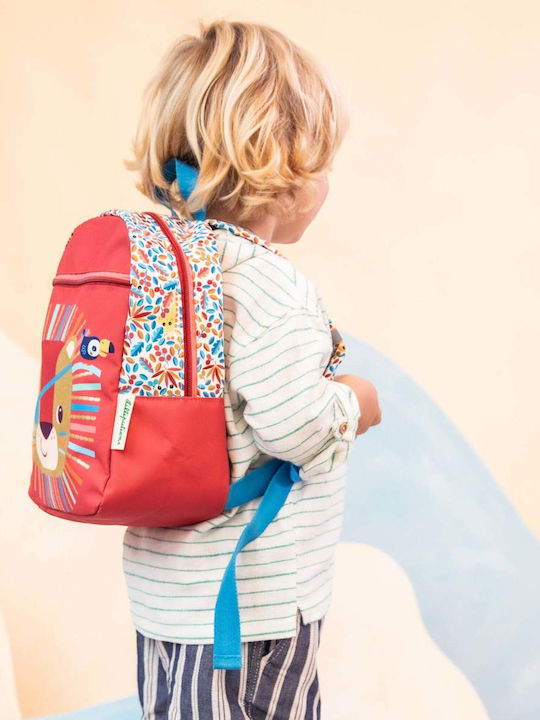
(283, 200)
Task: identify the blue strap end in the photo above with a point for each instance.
(273, 482)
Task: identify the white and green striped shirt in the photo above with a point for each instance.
(277, 344)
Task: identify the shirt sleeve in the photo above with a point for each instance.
(294, 412)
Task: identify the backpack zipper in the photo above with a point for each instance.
(106, 276)
(184, 273)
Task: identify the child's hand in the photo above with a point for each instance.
(368, 400)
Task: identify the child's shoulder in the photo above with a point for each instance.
(273, 275)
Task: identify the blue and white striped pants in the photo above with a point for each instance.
(278, 679)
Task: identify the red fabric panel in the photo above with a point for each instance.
(101, 243)
(174, 469)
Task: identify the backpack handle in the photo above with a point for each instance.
(186, 177)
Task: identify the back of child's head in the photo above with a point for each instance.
(252, 111)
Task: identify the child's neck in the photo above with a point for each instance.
(266, 226)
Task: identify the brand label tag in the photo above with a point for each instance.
(124, 408)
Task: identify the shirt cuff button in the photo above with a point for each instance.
(343, 427)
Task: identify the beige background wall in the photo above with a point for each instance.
(431, 228)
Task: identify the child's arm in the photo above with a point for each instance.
(294, 412)
(368, 400)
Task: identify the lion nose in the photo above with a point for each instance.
(46, 428)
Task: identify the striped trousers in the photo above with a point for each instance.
(278, 679)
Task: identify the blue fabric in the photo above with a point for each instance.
(186, 177)
(272, 481)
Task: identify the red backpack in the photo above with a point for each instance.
(129, 424)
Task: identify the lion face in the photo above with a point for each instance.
(67, 407)
(52, 427)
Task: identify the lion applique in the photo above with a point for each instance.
(66, 409)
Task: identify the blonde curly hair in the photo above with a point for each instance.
(255, 113)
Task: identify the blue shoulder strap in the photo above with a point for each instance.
(273, 481)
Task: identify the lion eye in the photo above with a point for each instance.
(59, 414)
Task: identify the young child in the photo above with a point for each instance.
(261, 122)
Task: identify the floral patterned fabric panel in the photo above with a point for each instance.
(201, 248)
(153, 353)
(338, 344)
(338, 352)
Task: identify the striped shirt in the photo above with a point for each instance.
(277, 344)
